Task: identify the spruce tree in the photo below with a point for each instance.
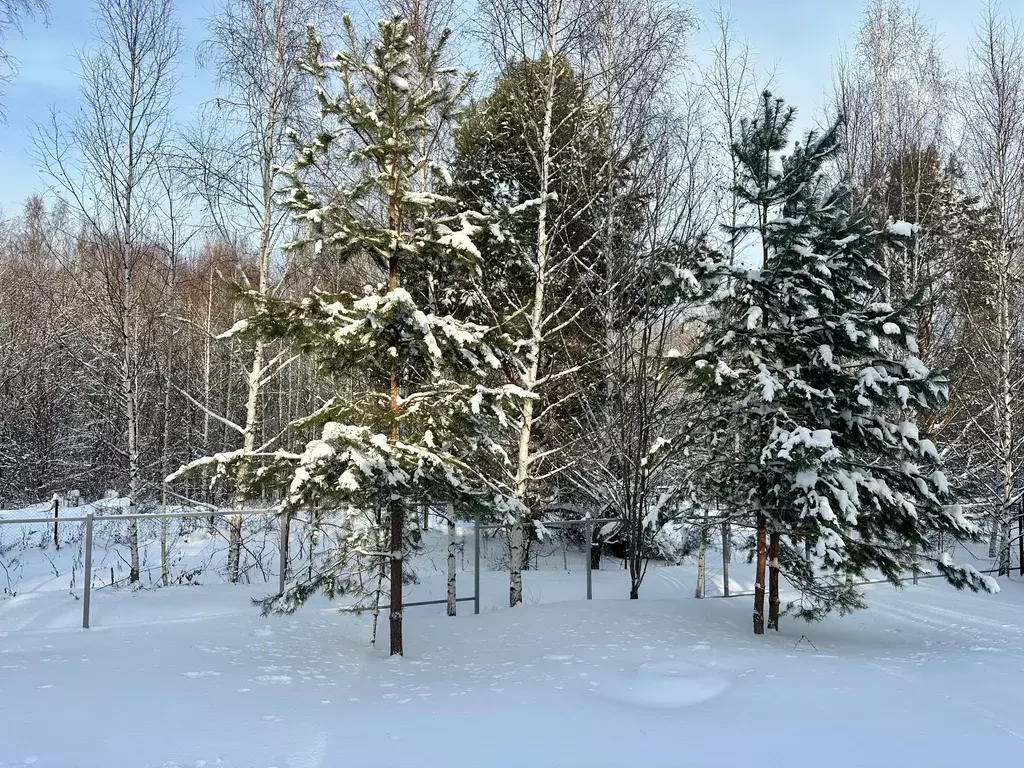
(821, 382)
(420, 431)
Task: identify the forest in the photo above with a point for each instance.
(527, 260)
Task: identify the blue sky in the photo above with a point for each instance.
(798, 38)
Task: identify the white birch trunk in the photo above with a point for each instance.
(529, 377)
(453, 546)
(254, 381)
(129, 394)
(701, 560)
(1006, 413)
(208, 391)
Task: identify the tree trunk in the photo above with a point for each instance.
(530, 375)
(1004, 548)
(701, 562)
(762, 525)
(395, 608)
(286, 540)
(1020, 540)
(726, 557)
(516, 534)
(773, 582)
(635, 553)
(397, 511)
(165, 576)
(129, 389)
(254, 383)
(595, 550)
(234, 547)
(993, 540)
(452, 547)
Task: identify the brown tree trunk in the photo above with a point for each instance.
(773, 582)
(397, 511)
(395, 609)
(762, 526)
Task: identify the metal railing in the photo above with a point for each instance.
(90, 518)
(289, 556)
(90, 521)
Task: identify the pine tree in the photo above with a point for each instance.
(821, 381)
(420, 431)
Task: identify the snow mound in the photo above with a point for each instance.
(668, 684)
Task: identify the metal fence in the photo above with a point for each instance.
(78, 553)
(68, 550)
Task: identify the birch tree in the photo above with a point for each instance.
(654, 183)
(107, 162)
(893, 92)
(236, 153)
(731, 88)
(533, 43)
(993, 110)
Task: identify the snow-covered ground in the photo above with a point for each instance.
(193, 676)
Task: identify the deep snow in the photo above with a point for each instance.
(195, 677)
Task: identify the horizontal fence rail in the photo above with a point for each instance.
(102, 533)
(295, 536)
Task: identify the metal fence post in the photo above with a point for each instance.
(282, 566)
(589, 550)
(88, 570)
(476, 566)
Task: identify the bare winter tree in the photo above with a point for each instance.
(41, 435)
(107, 163)
(992, 101)
(657, 199)
(731, 88)
(236, 155)
(894, 93)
